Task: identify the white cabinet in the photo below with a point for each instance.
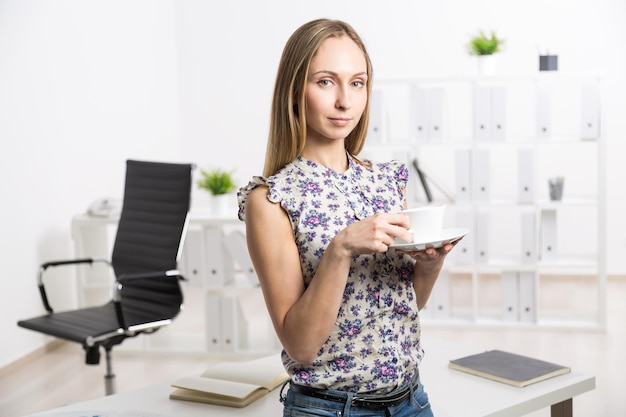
(503, 138)
(224, 310)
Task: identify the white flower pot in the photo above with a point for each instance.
(222, 204)
(486, 64)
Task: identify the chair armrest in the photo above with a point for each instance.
(128, 278)
(43, 267)
(127, 281)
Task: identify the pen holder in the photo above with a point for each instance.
(555, 185)
(548, 62)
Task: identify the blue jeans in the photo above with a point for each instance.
(299, 405)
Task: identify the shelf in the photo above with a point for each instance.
(493, 143)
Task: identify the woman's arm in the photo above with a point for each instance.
(303, 318)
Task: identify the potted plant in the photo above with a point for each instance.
(219, 184)
(484, 47)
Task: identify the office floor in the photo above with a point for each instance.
(60, 377)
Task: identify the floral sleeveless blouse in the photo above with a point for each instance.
(375, 343)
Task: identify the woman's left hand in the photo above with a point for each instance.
(431, 257)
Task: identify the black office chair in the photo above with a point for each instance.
(147, 293)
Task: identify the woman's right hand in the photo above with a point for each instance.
(373, 234)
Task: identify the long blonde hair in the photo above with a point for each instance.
(287, 134)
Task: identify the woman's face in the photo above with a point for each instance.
(336, 90)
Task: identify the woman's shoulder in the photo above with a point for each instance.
(274, 185)
(244, 193)
(394, 168)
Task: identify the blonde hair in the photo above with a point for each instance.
(287, 132)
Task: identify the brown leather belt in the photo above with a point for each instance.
(357, 401)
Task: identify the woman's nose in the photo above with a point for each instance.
(343, 98)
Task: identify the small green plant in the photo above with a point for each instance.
(481, 44)
(217, 181)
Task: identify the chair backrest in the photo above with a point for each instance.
(149, 237)
(154, 212)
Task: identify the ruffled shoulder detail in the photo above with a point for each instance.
(242, 195)
(398, 170)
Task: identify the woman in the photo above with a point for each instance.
(319, 224)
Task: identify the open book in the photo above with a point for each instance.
(233, 384)
(509, 368)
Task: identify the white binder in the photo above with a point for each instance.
(440, 308)
(463, 167)
(213, 322)
(219, 266)
(377, 128)
(192, 262)
(590, 117)
(482, 237)
(419, 114)
(510, 295)
(543, 124)
(230, 323)
(529, 240)
(527, 297)
(427, 114)
(481, 168)
(436, 122)
(498, 113)
(548, 235)
(237, 248)
(482, 113)
(525, 176)
(463, 253)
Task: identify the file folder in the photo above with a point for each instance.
(427, 114)
(525, 172)
(482, 237)
(543, 125)
(482, 113)
(213, 322)
(440, 308)
(529, 245)
(481, 168)
(548, 235)
(192, 263)
(436, 112)
(498, 113)
(527, 297)
(219, 265)
(590, 104)
(419, 114)
(463, 253)
(463, 166)
(377, 128)
(510, 295)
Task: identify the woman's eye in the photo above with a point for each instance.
(358, 83)
(324, 82)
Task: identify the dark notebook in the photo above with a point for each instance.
(509, 368)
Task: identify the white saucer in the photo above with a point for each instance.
(447, 236)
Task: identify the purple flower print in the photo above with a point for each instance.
(349, 329)
(343, 364)
(307, 187)
(315, 219)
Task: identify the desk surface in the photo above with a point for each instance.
(450, 393)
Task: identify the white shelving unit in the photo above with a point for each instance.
(493, 143)
(224, 311)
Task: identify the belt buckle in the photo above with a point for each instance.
(381, 402)
(354, 401)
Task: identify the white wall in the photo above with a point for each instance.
(86, 84)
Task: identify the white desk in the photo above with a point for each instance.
(452, 394)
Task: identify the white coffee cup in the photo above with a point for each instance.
(426, 223)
